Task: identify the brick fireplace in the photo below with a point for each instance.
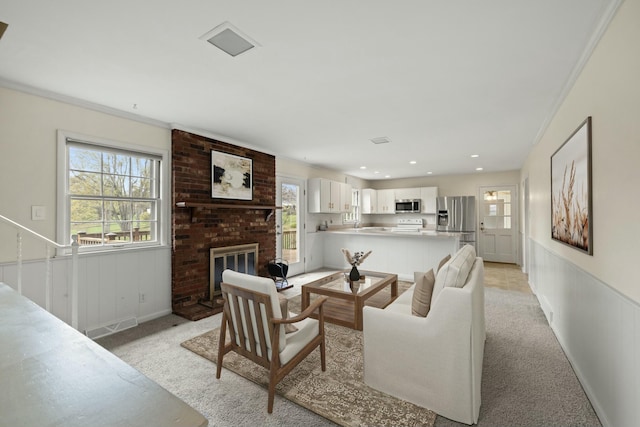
(213, 223)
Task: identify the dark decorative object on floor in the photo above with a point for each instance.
(278, 269)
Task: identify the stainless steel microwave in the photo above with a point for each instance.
(408, 205)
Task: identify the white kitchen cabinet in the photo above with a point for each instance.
(346, 197)
(428, 196)
(369, 201)
(407, 193)
(326, 196)
(386, 201)
(319, 195)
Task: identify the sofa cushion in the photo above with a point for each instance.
(455, 271)
(421, 301)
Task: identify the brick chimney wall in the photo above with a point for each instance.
(196, 230)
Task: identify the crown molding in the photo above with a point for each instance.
(600, 29)
(9, 84)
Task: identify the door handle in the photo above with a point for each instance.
(482, 226)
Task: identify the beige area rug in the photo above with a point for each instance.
(338, 394)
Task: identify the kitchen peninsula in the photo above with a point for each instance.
(397, 252)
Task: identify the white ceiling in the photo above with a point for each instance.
(443, 79)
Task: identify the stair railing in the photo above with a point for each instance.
(50, 245)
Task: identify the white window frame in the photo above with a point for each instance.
(353, 217)
(63, 226)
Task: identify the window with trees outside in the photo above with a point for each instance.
(353, 216)
(112, 196)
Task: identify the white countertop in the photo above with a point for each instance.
(392, 232)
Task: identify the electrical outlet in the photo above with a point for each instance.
(142, 297)
(38, 213)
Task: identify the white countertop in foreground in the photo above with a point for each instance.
(52, 375)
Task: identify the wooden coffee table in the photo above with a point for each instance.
(345, 303)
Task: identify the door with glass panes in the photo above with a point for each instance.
(290, 223)
(498, 224)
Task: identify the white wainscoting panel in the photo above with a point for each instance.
(599, 330)
(113, 286)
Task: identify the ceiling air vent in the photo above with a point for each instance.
(229, 39)
(381, 140)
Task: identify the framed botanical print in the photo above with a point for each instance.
(571, 210)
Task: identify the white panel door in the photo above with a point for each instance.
(498, 224)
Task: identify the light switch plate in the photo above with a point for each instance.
(38, 213)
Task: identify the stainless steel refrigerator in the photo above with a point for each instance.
(457, 214)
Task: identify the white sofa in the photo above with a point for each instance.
(433, 361)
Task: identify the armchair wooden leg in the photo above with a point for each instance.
(221, 345)
(272, 392)
(323, 363)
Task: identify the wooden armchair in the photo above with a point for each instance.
(256, 327)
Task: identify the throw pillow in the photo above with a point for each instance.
(443, 261)
(288, 327)
(421, 301)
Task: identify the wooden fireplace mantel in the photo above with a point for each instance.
(269, 210)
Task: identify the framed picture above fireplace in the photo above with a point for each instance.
(231, 176)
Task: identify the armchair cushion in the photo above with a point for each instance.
(307, 330)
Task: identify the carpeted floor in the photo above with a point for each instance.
(527, 380)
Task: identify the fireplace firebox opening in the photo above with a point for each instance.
(241, 258)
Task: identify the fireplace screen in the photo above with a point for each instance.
(241, 258)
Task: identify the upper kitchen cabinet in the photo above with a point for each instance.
(386, 201)
(346, 196)
(326, 196)
(369, 201)
(407, 193)
(428, 196)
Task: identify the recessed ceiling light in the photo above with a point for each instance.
(381, 140)
(377, 172)
(475, 155)
(363, 167)
(387, 176)
(412, 162)
(429, 173)
(478, 169)
(229, 39)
